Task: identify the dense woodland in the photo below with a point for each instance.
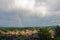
(30, 33)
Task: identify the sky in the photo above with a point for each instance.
(29, 13)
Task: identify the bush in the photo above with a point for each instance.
(58, 38)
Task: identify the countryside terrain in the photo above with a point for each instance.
(30, 33)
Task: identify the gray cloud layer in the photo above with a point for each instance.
(8, 15)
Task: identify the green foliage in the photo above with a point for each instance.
(43, 34)
(19, 39)
(57, 31)
(58, 38)
(27, 38)
(2, 37)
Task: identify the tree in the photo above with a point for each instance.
(43, 34)
(57, 31)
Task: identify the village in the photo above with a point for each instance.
(27, 34)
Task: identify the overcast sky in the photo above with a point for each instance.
(23, 13)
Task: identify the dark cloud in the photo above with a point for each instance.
(10, 16)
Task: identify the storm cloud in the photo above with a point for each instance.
(10, 15)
